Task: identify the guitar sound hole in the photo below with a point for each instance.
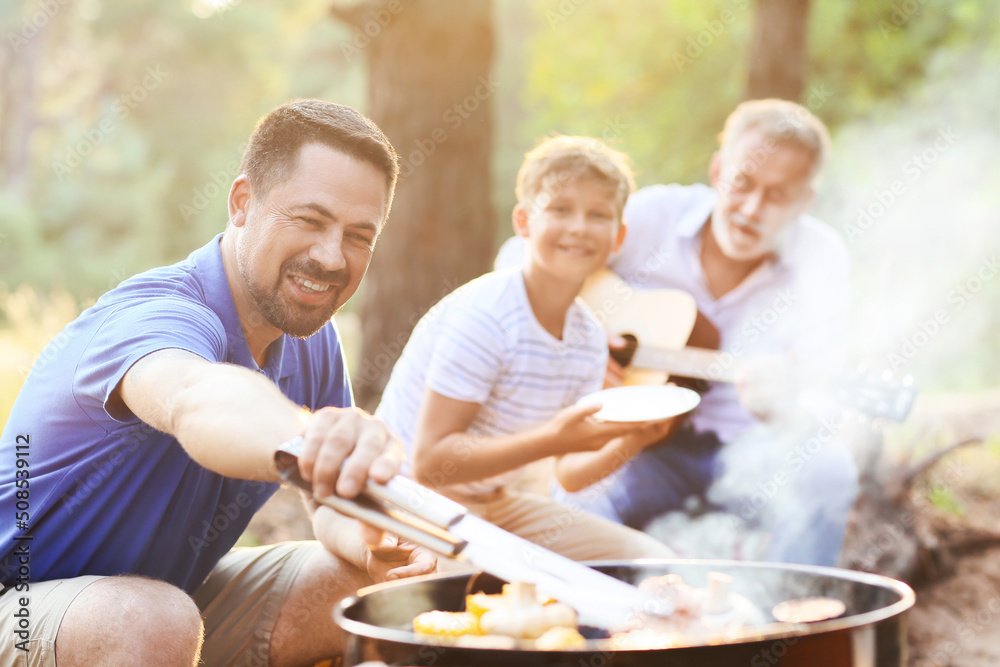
(694, 384)
(623, 356)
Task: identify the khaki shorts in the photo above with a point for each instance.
(47, 602)
(566, 530)
(240, 602)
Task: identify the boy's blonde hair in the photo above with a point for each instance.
(780, 121)
(559, 160)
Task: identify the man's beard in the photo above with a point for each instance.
(296, 319)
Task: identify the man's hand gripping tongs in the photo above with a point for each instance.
(417, 514)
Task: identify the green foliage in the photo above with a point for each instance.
(867, 52)
(661, 75)
(636, 74)
(942, 497)
(142, 111)
(142, 107)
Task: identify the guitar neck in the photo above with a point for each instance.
(694, 362)
(870, 395)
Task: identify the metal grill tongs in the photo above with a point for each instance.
(415, 513)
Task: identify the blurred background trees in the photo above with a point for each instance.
(430, 89)
(778, 58)
(122, 124)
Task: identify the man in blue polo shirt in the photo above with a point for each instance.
(143, 443)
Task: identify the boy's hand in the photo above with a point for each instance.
(390, 557)
(651, 433)
(766, 386)
(384, 557)
(577, 431)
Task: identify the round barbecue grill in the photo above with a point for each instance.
(870, 633)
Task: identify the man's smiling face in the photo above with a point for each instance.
(303, 249)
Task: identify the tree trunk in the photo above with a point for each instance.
(430, 90)
(778, 50)
(19, 67)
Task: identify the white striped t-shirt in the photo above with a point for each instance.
(482, 344)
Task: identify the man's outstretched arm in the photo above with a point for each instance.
(231, 420)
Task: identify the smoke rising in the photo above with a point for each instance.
(914, 188)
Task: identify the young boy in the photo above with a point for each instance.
(488, 380)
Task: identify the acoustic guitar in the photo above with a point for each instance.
(668, 338)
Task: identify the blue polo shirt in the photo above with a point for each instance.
(108, 494)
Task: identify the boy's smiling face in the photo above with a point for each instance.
(571, 228)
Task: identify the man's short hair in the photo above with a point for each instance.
(783, 122)
(559, 160)
(272, 152)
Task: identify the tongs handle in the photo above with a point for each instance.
(400, 507)
(429, 519)
(418, 500)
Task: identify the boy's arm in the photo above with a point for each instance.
(446, 453)
(578, 470)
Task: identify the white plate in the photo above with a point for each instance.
(641, 403)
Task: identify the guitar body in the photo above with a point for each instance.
(668, 337)
(659, 318)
